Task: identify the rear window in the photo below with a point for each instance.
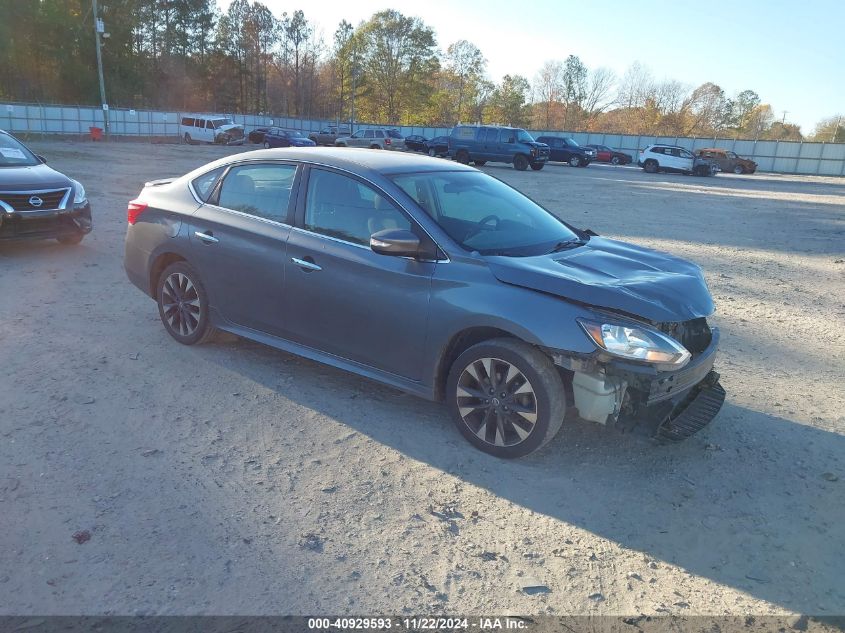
(464, 132)
(395, 134)
(188, 121)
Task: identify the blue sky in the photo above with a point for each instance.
(791, 53)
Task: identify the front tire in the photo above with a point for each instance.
(574, 161)
(432, 152)
(462, 157)
(520, 163)
(650, 166)
(615, 160)
(266, 145)
(738, 170)
(183, 304)
(71, 240)
(479, 163)
(537, 166)
(526, 417)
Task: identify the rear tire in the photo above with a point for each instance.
(183, 304)
(537, 166)
(530, 413)
(480, 163)
(615, 160)
(188, 139)
(374, 146)
(432, 152)
(462, 157)
(520, 163)
(71, 240)
(650, 166)
(266, 145)
(739, 169)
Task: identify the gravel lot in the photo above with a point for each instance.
(235, 479)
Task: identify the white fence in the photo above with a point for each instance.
(787, 157)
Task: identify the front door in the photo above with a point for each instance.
(239, 242)
(345, 299)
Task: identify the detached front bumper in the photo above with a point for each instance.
(671, 406)
(46, 224)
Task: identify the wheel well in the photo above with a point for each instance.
(461, 342)
(162, 261)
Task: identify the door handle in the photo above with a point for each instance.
(206, 237)
(302, 263)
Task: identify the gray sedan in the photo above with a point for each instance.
(437, 279)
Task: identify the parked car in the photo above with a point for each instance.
(328, 135)
(671, 158)
(256, 136)
(605, 154)
(277, 137)
(339, 256)
(483, 143)
(728, 160)
(438, 146)
(374, 138)
(202, 128)
(37, 202)
(416, 143)
(566, 150)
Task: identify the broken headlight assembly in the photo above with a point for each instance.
(637, 343)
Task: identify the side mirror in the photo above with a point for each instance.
(41, 159)
(396, 242)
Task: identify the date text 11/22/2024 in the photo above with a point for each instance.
(416, 624)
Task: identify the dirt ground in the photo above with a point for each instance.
(235, 479)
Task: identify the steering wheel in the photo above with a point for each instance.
(479, 226)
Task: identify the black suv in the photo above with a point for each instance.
(566, 150)
(37, 202)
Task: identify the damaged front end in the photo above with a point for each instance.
(656, 378)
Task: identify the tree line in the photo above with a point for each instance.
(190, 56)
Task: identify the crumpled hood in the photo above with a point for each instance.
(616, 275)
(232, 126)
(32, 177)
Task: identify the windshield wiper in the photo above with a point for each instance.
(567, 244)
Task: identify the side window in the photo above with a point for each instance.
(208, 125)
(341, 207)
(261, 190)
(188, 121)
(379, 134)
(656, 150)
(199, 123)
(685, 154)
(205, 183)
(507, 136)
(369, 134)
(491, 135)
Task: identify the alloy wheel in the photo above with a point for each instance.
(181, 304)
(496, 402)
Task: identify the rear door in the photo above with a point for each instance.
(239, 241)
(686, 159)
(345, 299)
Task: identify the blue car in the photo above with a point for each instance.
(277, 137)
(435, 278)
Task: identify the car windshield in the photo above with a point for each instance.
(217, 123)
(571, 142)
(484, 214)
(15, 154)
(294, 134)
(524, 137)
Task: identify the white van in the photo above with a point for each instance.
(207, 128)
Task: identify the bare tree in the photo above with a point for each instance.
(548, 87)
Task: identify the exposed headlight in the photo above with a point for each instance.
(78, 192)
(637, 343)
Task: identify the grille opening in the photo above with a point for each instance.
(694, 334)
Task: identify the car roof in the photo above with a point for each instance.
(354, 159)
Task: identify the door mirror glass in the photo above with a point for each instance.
(396, 242)
(41, 159)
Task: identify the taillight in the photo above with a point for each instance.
(387, 141)
(135, 209)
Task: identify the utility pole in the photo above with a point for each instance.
(99, 28)
(835, 130)
(783, 120)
